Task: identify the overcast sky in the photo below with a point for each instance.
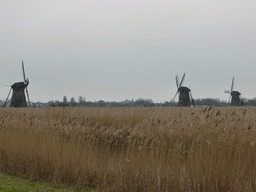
(123, 49)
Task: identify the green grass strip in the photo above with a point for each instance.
(9, 183)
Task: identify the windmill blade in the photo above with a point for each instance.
(28, 97)
(192, 100)
(227, 91)
(7, 97)
(229, 98)
(242, 102)
(175, 96)
(24, 76)
(232, 85)
(177, 81)
(182, 80)
(27, 82)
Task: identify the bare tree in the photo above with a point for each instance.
(81, 101)
(73, 102)
(65, 100)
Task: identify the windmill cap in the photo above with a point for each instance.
(18, 85)
(186, 89)
(235, 93)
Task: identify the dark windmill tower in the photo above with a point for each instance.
(18, 92)
(185, 96)
(234, 96)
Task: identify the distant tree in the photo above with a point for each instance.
(51, 103)
(209, 102)
(102, 103)
(89, 104)
(73, 102)
(166, 104)
(81, 101)
(144, 103)
(65, 100)
(250, 102)
(57, 103)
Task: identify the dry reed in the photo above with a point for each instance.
(132, 149)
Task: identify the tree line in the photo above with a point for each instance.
(81, 101)
(138, 102)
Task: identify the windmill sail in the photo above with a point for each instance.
(18, 98)
(185, 96)
(234, 98)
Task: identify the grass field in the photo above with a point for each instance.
(9, 183)
(132, 149)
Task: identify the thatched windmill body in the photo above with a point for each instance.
(185, 95)
(234, 96)
(18, 98)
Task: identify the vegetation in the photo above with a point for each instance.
(131, 103)
(9, 183)
(132, 148)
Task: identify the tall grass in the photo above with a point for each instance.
(132, 149)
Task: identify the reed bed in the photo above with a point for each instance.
(132, 149)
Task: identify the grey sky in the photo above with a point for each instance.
(117, 50)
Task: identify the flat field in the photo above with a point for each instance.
(132, 149)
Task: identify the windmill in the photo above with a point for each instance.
(18, 92)
(185, 95)
(234, 96)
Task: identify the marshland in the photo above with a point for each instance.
(133, 148)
